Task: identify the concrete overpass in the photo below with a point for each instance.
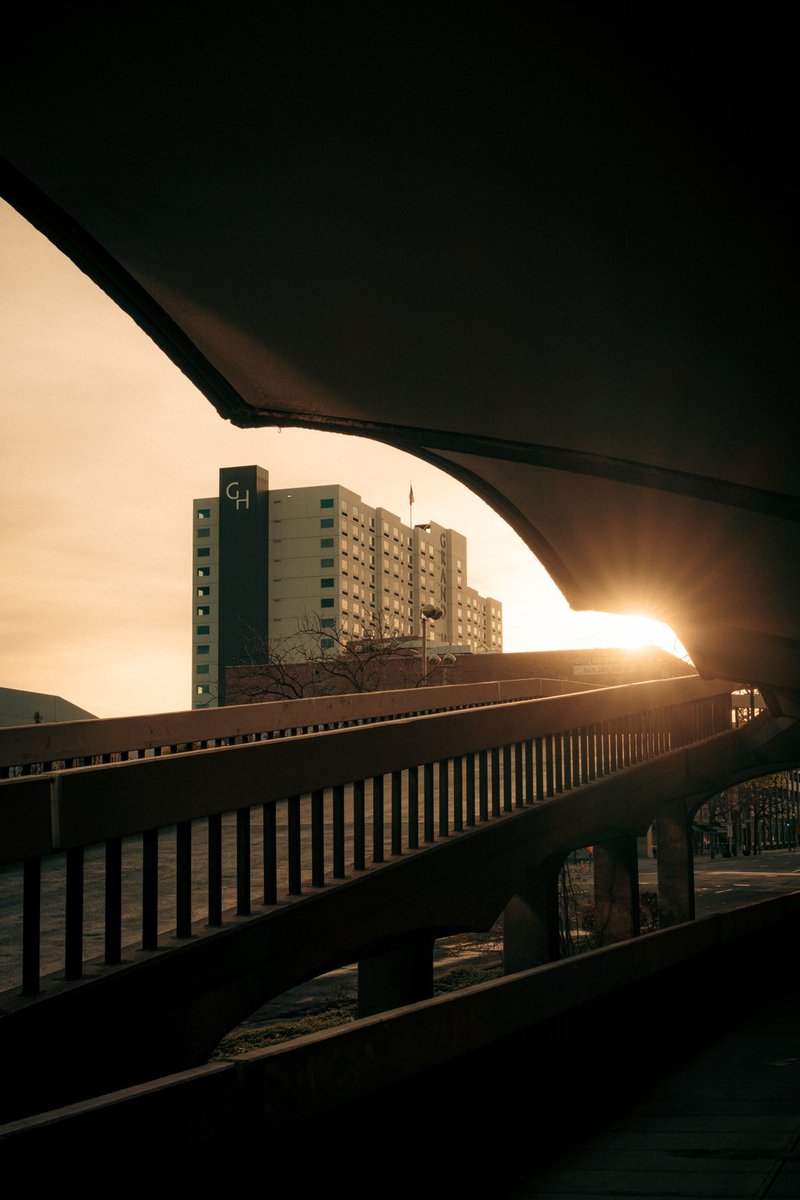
(361, 830)
(550, 252)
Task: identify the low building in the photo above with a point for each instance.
(19, 707)
(401, 665)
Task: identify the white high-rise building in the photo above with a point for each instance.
(331, 560)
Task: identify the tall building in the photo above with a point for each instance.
(266, 562)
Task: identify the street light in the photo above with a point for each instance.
(429, 612)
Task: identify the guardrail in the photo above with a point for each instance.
(31, 749)
(301, 811)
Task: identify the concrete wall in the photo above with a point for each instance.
(573, 1033)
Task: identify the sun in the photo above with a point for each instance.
(633, 631)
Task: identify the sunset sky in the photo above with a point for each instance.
(104, 446)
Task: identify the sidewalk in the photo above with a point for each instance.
(724, 1124)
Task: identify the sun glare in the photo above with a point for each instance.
(635, 631)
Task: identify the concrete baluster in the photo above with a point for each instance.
(530, 921)
(675, 865)
(396, 977)
(616, 890)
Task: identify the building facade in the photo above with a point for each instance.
(268, 564)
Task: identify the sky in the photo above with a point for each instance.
(104, 446)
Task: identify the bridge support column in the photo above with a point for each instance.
(530, 922)
(675, 865)
(397, 977)
(616, 890)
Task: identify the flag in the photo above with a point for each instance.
(410, 494)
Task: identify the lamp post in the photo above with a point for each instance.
(429, 612)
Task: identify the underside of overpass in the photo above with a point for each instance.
(550, 251)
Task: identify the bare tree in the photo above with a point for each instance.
(324, 660)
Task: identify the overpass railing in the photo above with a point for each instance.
(31, 749)
(264, 821)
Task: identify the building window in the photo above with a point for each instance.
(326, 643)
(204, 670)
(203, 689)
(203, 610)
(201, 629)
(203, 573)
(203, 649)
(327, 502)
(326, 523)
(326, 603)
(203, 514)
(204, 533)
(204, 552)
(203, 591)
(326, 583)
(326, 562)
(327, 623)
(326, 543)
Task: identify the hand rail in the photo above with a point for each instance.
(477, 764)
(28, 749)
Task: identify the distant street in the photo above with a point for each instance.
(725, 883)
(720, 883)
